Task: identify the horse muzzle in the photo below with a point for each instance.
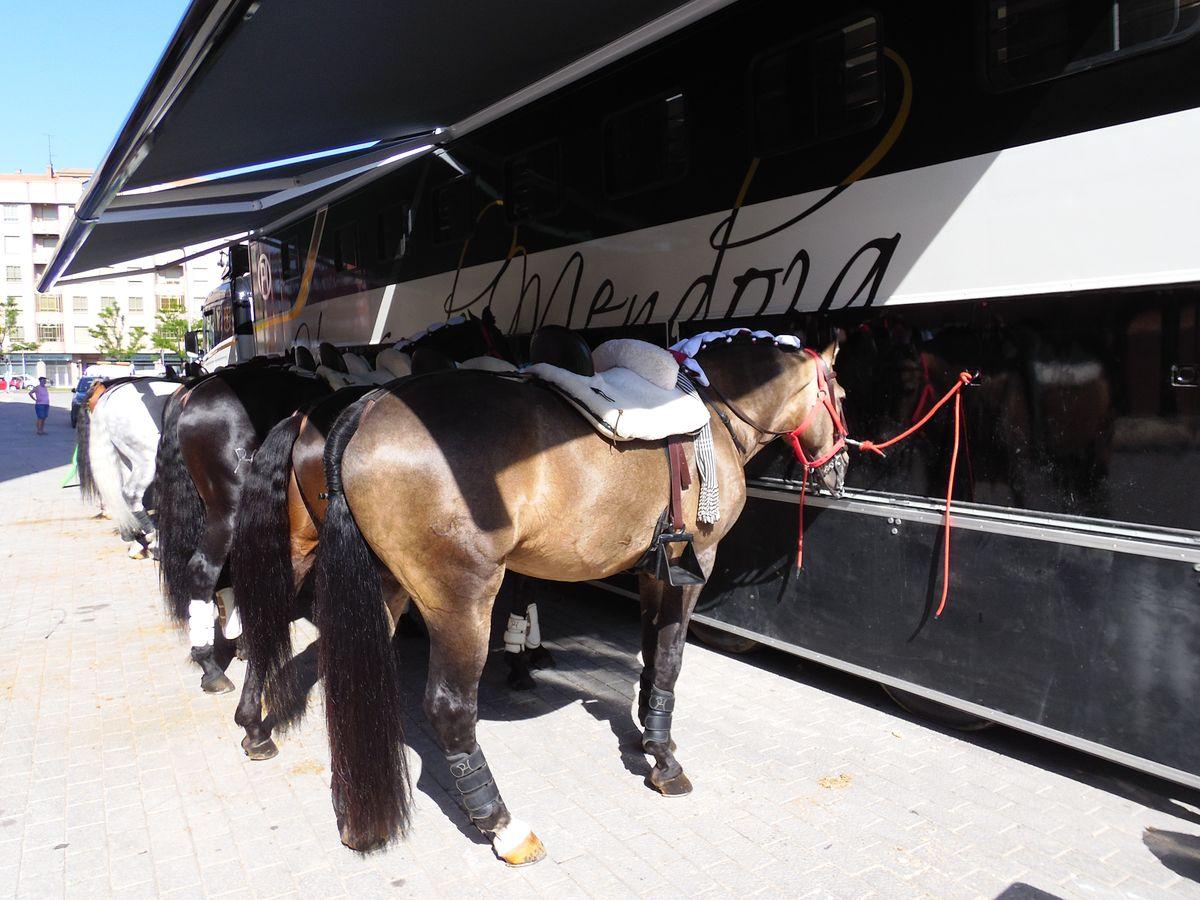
(832, 475)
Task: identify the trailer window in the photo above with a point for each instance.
(1030, 41)
(345, 248)
(824, 85)
(392, 231)
(533, 185)
(646, 146)
(452, 214)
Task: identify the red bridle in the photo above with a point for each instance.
(826, 399)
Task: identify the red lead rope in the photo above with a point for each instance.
(964, 379)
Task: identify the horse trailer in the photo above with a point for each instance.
(999, 187)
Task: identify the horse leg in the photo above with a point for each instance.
(257, 743)
(516, 633)
(203, 572)
(458, 644)
(537, 653)
(666, 611)
(523, 648)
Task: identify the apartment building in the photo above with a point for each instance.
(34, 211)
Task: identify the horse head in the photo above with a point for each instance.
(783, 390)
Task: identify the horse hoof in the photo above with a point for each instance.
(265, 749)
(526, 853)
(368, 845)
(679, 786)
(521, 681)
(218, 684)
(541, 658)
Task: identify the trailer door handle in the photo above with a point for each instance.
(1185, 376)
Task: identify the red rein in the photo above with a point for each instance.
(825, 399)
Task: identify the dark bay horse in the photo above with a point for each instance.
(276, 537)
(211, 431)
(452, 480)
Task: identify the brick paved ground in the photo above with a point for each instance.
(118, 777)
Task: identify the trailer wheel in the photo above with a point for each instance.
(722, 640)
(924, 708)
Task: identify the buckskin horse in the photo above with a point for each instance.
(453, 479)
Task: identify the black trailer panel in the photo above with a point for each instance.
(1074, 633)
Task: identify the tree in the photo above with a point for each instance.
(111, 338)
(8, 328)
(169, 328)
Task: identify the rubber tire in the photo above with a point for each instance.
(722, 640)
(924, 708)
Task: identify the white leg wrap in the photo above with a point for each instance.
(233, 622)
(534, 639)
(514, 634)
(509, 838)
(201, 614)
(133, 550)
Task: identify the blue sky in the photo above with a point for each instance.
(73, 68)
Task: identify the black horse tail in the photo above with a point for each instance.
(180, 514)
(261, 564)
(83, 456)
(362, 681)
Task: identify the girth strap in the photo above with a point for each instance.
(680, 477)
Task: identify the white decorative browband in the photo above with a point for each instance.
(689, 347)
(436, 326)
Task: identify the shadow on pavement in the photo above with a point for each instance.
(24, 453)
(1178, 852)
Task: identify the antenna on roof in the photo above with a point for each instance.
(50, 153)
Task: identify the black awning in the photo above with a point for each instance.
(245, 83)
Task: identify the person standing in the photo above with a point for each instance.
(41, 403)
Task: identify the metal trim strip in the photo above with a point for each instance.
(1077, 743)
(1178, 546)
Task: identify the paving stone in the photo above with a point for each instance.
(108, 747)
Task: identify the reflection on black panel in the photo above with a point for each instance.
(1075, 413)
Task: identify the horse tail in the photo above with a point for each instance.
(261, 563)
(83, 459)
(362, 680)
(180, 514)
(105, 465)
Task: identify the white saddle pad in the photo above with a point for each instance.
(623, 405)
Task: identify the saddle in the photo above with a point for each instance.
(626, 389)
(344, 368)
(629, 390)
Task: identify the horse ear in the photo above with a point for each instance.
(829, 354)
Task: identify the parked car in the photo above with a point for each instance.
(81, 392)
(3, 383)
(17, 382)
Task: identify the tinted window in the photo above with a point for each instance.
(451, 209)
(1035, 40)
(825, 85)
(646, 146)
(533, 187)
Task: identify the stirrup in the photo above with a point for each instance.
(657, 563)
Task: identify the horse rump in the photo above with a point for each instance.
(180, 514)
(105, 467)
(362, 681)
